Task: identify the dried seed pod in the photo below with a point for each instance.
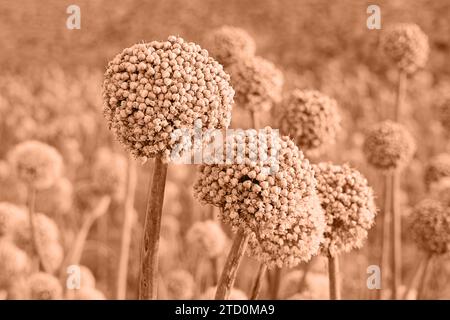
(153, 89)
(14, 263)
(258, 83)
(44, 286)
(407, 46)
(10, 216)
(207, 237)
(437, 168)
(228, 44)
(349, 207)
(389, 146)
(180, 285)
(35, 163)
(430, 226)
(88, 293)
(310, 118)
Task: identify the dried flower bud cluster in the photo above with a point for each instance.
(407, 46)
(44, 286)
(10, 216)
(109, 173)
(152, 89)
(389, 146)
(349, 207)
(228, 44)
(207, 237)
(35, 163)
(430, 226)
(437, 168)
(13, 263)
(310, 118)
(274, 199)
(258, 83)
(180, 285)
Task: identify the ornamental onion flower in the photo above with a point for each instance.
(13, 263)
(180, 285)
(207, 237)
(10, 216)
(437, 168)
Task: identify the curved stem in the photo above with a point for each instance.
(258, 281)
(148, 278)
(334, 276)
(126, 231)
(231, 265)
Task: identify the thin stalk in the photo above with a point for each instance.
(34, 237)
(334, 277)
(424, 277)
(255, 119)
(215, 269)
(386, 219)
(400, 94)
(276, 283)
(302, 282)
(148, 278)
(396, 248)
(415, 277)
(258, 281)
(229, 271)
(127, 227)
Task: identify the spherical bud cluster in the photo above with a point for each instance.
(10, 216)
(228, 44)
(109, 173)
(235, 294)
(389, 146)
(296, 239)
(430, 226)
(88, 293)
(56, 200)
(437, 168)
(258, 83)
(207, 237)
(13, 263)
(310, 118)
(35, 163)
(180, 285)
(153, 89)
(349, 207)
(44, 286)
(407, 46)
(444, 113)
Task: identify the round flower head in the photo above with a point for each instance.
(88, 293)
(310, 118)
(235, 294)
(13, 263)
(36, 163)
(258, 83)
(437, 168)
(11, 190)
(296, 239)
(407, 46)
(430, 226)
(44, 286)
(10, 216)
(228, 44)
(207, 237)
(348, 204)
(109, 173)
(389, 146)
(57, 199)
(441, 190)
(153, 89)
(180, 285)
(444, 112)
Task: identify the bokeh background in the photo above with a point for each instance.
(50, 89)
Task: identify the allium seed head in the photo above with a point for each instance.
(53, 255)
(207, 237)
(430, 226)
(228, 44)
(310, 118)
(44, 286)
(153, 89)
(437, 168)
(389, 146)
(109, 173)
(10, 216)
(13, 263)
(349, 207)
(36, 163)
(407, 46)
(258, 83)
(56, 200)
(180, 285)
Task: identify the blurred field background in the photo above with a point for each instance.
(50, 89)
